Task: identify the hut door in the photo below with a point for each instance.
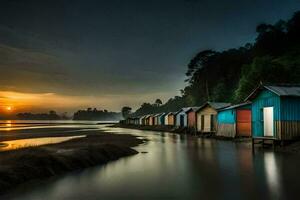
(268, 122)
(243, 120)
(181, 120)
(212, 123)
(207, 124)
(202, 122)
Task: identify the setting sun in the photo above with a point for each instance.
(8, 108)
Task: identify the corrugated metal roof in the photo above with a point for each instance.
(236, 106)
(159, 114)
(169, 113)
(215, 105)
(280, 90)
(183, 110)
(285, 90)
(193, 109)
(218, 105)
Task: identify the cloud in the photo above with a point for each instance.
(28, 60)
(28, 70)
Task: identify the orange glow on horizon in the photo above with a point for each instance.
(21, 102)
(12, 102)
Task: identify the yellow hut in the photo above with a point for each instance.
(207, 116)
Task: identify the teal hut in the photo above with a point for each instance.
(235, 121)
(161, 120)
(276, 112)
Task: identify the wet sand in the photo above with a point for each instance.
(38, 132)
(40, 162)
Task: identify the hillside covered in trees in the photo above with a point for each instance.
(230, 75)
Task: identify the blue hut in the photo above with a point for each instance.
(161, 120)
(234, 121)
(276, 112)
(181, 117)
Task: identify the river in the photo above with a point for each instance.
(172, 166)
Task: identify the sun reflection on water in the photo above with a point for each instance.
(8, 125)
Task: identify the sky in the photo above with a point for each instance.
(66, 55)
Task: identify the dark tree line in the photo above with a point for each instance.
(94, 114)
(52, 115)
(230, 75)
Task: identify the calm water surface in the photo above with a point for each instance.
(179, 167)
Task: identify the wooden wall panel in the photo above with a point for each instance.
(226, 130)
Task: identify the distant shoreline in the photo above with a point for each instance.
(63, 122)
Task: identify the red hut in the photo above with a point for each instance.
(192, 117)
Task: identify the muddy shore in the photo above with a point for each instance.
(40, 162)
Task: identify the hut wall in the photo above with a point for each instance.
(191, 119)
(162, 120)
(151, 121)
(177, 120)
(166, 120)
(131, 121)
(226, 130)
(158, 120)
(266, 98)
(226, 123)
(289, 125)
(141, 121)
(178, 116)
(144, 121)
(147, 121)
(155, 120)
(208, 113)
(171, 120)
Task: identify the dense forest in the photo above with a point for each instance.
(94, 114)
(230, 75)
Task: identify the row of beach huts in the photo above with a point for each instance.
(269, 112)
